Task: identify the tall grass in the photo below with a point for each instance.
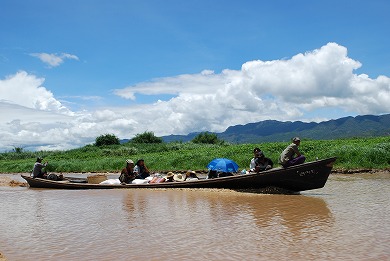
(372, 153)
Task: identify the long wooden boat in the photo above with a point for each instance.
(306, 176)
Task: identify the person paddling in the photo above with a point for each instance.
(38, 169)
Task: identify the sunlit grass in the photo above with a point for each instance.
(373, 153)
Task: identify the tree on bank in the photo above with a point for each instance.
(207, 138)
(107, 139)
(146, 137)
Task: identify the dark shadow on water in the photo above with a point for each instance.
(269, 190)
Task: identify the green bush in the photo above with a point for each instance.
(107, 139)
(207, 138)
(146, 137)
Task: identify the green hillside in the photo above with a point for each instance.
(273, 131)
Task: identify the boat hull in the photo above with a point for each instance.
(307, 176)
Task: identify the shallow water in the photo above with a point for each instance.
(345, 220)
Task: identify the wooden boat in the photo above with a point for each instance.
(306, 176)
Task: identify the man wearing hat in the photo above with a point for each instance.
(127, 174)
(38, 168)
(191, 175)
(179, 177)
(169, 177)
(287, 158)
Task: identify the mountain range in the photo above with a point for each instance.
(271, 130)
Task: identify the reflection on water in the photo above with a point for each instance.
(345, 220)
(215, 221)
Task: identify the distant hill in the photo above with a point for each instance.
(270, 130)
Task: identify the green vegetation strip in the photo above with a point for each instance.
(355, 153)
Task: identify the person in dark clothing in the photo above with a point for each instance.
(212, 174)
(141, 170)
(38, 171)
(263, 163)
(252, 165)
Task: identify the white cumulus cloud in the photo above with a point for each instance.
(27, 90)
(285, 89)
(298, 88)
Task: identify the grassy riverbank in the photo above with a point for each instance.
(355, 153)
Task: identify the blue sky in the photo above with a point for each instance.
(73, 70)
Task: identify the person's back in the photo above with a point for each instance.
(288, 153)
(38, 167)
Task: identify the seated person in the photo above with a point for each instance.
(212, 174)
(252, 165)
(287, 158)
(169, 177)
(38, 171)
(191, 175)
(127, 174)
(141, 170)
(262, 163)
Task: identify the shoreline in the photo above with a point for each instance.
(334, 171)
(357, 171)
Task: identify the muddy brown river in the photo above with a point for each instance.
(348, 219)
